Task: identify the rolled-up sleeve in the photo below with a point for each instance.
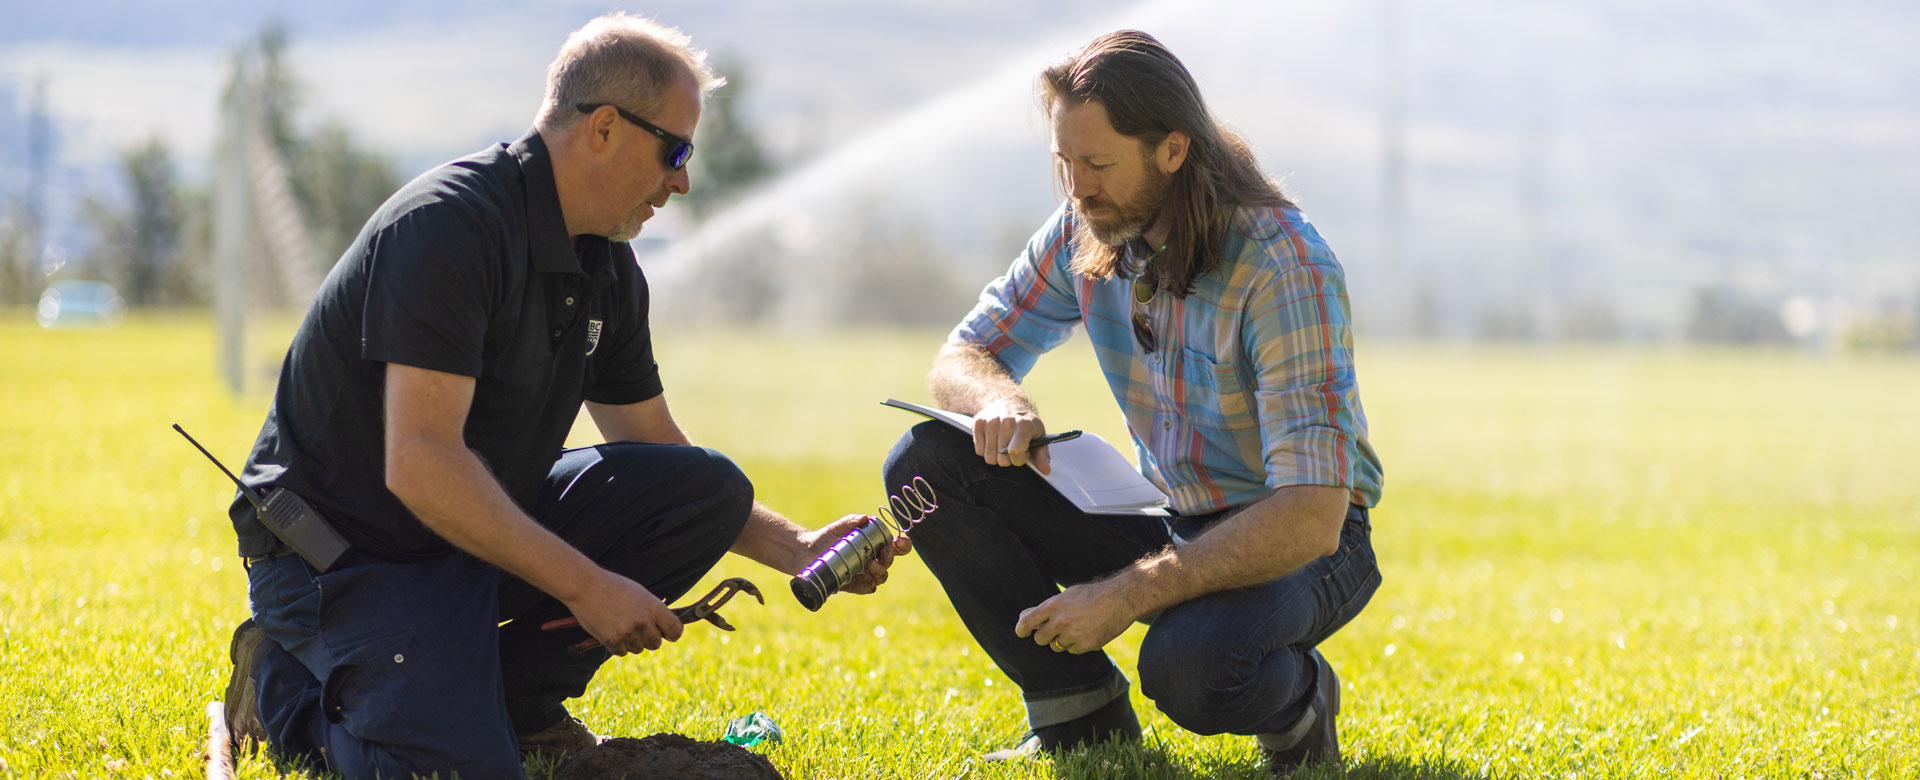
(1298, 330)
(1033, 307)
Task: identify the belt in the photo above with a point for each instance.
(278, 552)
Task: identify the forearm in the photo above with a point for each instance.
(1266, 541)
(451, 491)
(771, 539)
(647, 422)
(966, 378)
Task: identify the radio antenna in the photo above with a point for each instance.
(244, 490)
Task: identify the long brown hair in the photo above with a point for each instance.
(1148, 95)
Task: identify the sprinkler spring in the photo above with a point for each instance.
(830, 572)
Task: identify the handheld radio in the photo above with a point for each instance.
(289, 517)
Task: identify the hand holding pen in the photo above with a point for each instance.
(1043, 441)
(1007, 433)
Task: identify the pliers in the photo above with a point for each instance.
(707, 608)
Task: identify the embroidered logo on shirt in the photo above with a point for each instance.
(593, 335)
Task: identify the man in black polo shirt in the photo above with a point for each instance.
(422, 410)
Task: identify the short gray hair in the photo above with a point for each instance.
(624, 59)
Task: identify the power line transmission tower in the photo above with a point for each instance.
(258, 226)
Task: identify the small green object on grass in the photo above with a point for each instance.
(752, 729)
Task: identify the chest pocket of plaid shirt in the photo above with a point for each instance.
(1229, 408)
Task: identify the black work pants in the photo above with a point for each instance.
(383, 669)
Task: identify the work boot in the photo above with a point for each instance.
(243, 701)
(1114, 722)
(1313, 738)
(558, 740)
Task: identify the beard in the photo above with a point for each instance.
(629, 228)
(1132, 217)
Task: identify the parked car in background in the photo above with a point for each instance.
(72, 303)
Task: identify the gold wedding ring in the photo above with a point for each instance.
(1059, 648)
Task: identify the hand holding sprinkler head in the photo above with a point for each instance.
(836, 567)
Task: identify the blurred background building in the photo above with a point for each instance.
(1616, 170)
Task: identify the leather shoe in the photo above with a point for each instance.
(1314, 738)
(1113, 722)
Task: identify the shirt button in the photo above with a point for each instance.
(569, 301)
(1166, 423)
(557, 333)
(399, 659)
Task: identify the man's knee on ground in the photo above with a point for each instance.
(419, 704)
(1200, 687)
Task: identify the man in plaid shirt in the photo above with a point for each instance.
(1219, 317)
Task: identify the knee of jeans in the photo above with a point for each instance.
(497, 758)
(497, 763)
(727, 479)
(419, 705)
(939, 454)
(931, 450)
(1201, 686)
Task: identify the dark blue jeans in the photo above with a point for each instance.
(380, 669)
(1229, 662)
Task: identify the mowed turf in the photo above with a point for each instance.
(1598, 563)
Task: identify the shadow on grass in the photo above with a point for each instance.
(1151, 762)
(1105, 762)
(298, 768)
(1390, 768)
(1113, 761)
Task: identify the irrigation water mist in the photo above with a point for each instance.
(921, 132)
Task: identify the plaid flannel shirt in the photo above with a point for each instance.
(1252, 387)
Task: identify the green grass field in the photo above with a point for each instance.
(1598, 563)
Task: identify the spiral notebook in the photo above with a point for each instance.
(1087, 470)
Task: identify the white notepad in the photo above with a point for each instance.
(1086, 470)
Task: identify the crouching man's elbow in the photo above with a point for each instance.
(1327, 545)
(1327, 509)
(400, 480)
(408, 472)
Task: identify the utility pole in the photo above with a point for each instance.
(1546, 296)
(232, 226)
(1413, 288)
(39, 161)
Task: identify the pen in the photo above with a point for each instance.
(1046, 440)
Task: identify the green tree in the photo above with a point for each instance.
(187, 284)
(16, 275)
(337, 182)
(339, 185)
(138, 243)
(1725, 315)
(729, 158)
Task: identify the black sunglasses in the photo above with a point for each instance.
(678, 151)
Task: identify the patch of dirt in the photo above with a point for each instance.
(667, 755)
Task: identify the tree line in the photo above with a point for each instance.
(153, 240)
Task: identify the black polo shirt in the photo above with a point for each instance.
(467, 270)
